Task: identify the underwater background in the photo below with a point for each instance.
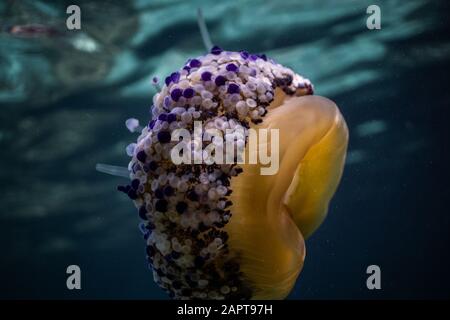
(65, 95)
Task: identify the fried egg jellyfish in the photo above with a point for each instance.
(224, 231)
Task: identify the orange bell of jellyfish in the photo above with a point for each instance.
(273, 214)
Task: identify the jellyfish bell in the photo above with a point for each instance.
(226, 231)
(272, 215)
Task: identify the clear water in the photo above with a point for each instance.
(64, 99)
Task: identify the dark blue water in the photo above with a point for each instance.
(64, 100)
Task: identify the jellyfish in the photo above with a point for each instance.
(225, 231)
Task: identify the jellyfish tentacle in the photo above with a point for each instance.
(113, 170)
(203, 30)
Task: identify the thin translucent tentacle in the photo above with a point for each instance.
(204, 30)
(112, 170)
